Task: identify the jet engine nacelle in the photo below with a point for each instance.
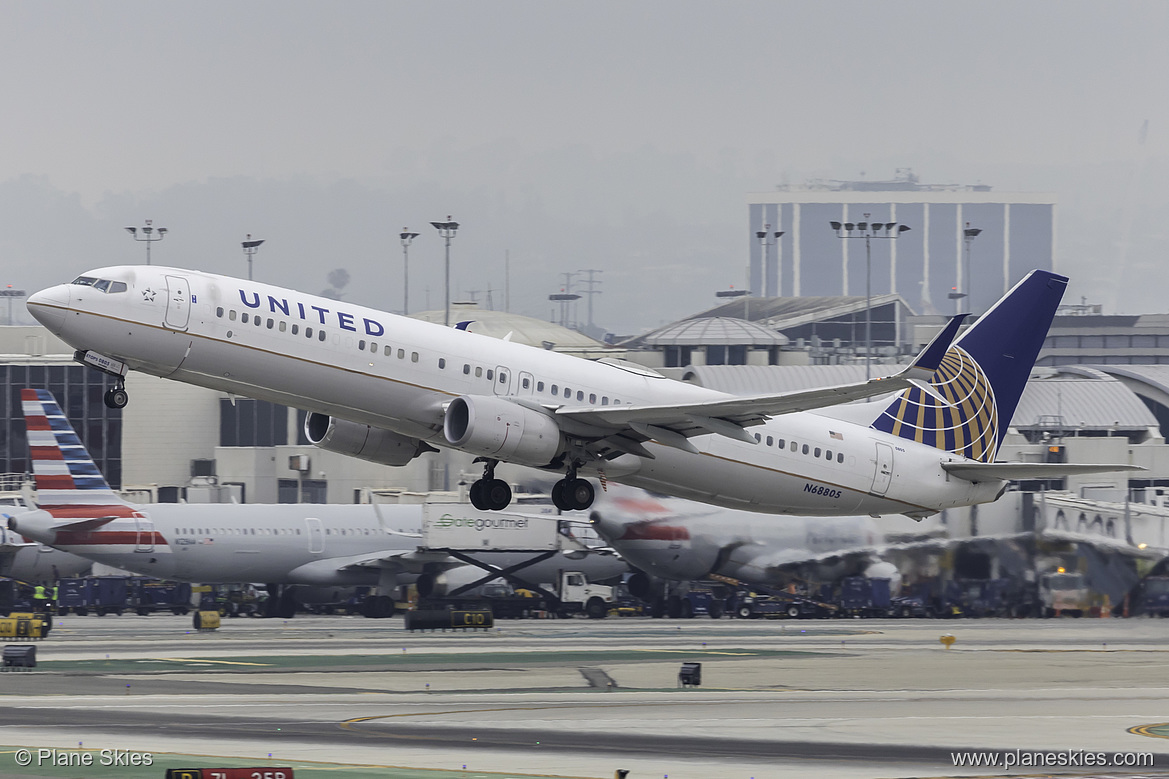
(502, 430)
(438, 585)
(643, 586)
(361, 441)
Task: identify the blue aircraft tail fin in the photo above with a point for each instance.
(62, 468)
(982, 375)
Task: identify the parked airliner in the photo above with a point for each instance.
(286, 544)
(673, 540)
(387, 388)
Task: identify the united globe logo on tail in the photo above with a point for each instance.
(968, 426)
(981, 376)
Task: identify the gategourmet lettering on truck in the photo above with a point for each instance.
(460, 527)
(483, 523)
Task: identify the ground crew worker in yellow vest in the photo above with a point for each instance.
(53, 604)
(40, 597)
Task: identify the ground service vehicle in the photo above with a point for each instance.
(100, 594)
(1064, 593)
(577, 595)
(693, 604)
(1152, 596)
(864, 597)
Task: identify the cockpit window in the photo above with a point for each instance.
(102, 285)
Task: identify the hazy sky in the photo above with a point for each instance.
(620, 136)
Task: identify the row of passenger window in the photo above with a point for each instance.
(388, 351)
(238, 531)
(295, 328)
(270, 531)
(273, 324)
(798, 448)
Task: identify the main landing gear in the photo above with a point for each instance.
(116, 397)
(571, 493)
(490, 493)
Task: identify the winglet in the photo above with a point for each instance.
(935, 351)
(464, 325)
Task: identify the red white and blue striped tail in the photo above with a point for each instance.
(64, 473)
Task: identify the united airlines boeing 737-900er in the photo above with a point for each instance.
(386, 388)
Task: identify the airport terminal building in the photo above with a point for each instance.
(924, 265)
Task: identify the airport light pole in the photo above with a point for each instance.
(868, 231)
(765, 237)
(968, 236)
(250, 248)
(407, 237)
(150, 234)
(447, 230)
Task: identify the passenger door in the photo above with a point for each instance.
(316, 536)
(178, 303)
(884, 471)
(144, 537)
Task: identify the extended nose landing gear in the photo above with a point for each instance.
(490, 493)
(571, 493)
(116, 397)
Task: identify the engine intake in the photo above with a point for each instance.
(497, 428)
(362, 441)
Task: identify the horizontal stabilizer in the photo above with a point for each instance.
(82, 525)
(978, 472)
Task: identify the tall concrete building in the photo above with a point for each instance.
(924, 265)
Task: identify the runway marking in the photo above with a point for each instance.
(205, 660)
(1156, 730)
(698, 652)
(1057, 651)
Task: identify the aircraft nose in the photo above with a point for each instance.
(31, 524)
(607, 527)
(49, 307)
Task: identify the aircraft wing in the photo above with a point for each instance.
(378, 560)
(978, 472)
(672, 424)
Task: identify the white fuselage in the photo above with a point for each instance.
(399, 374)
(316, 544)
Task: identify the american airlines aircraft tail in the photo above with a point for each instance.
(982, 376)
(69, 485)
